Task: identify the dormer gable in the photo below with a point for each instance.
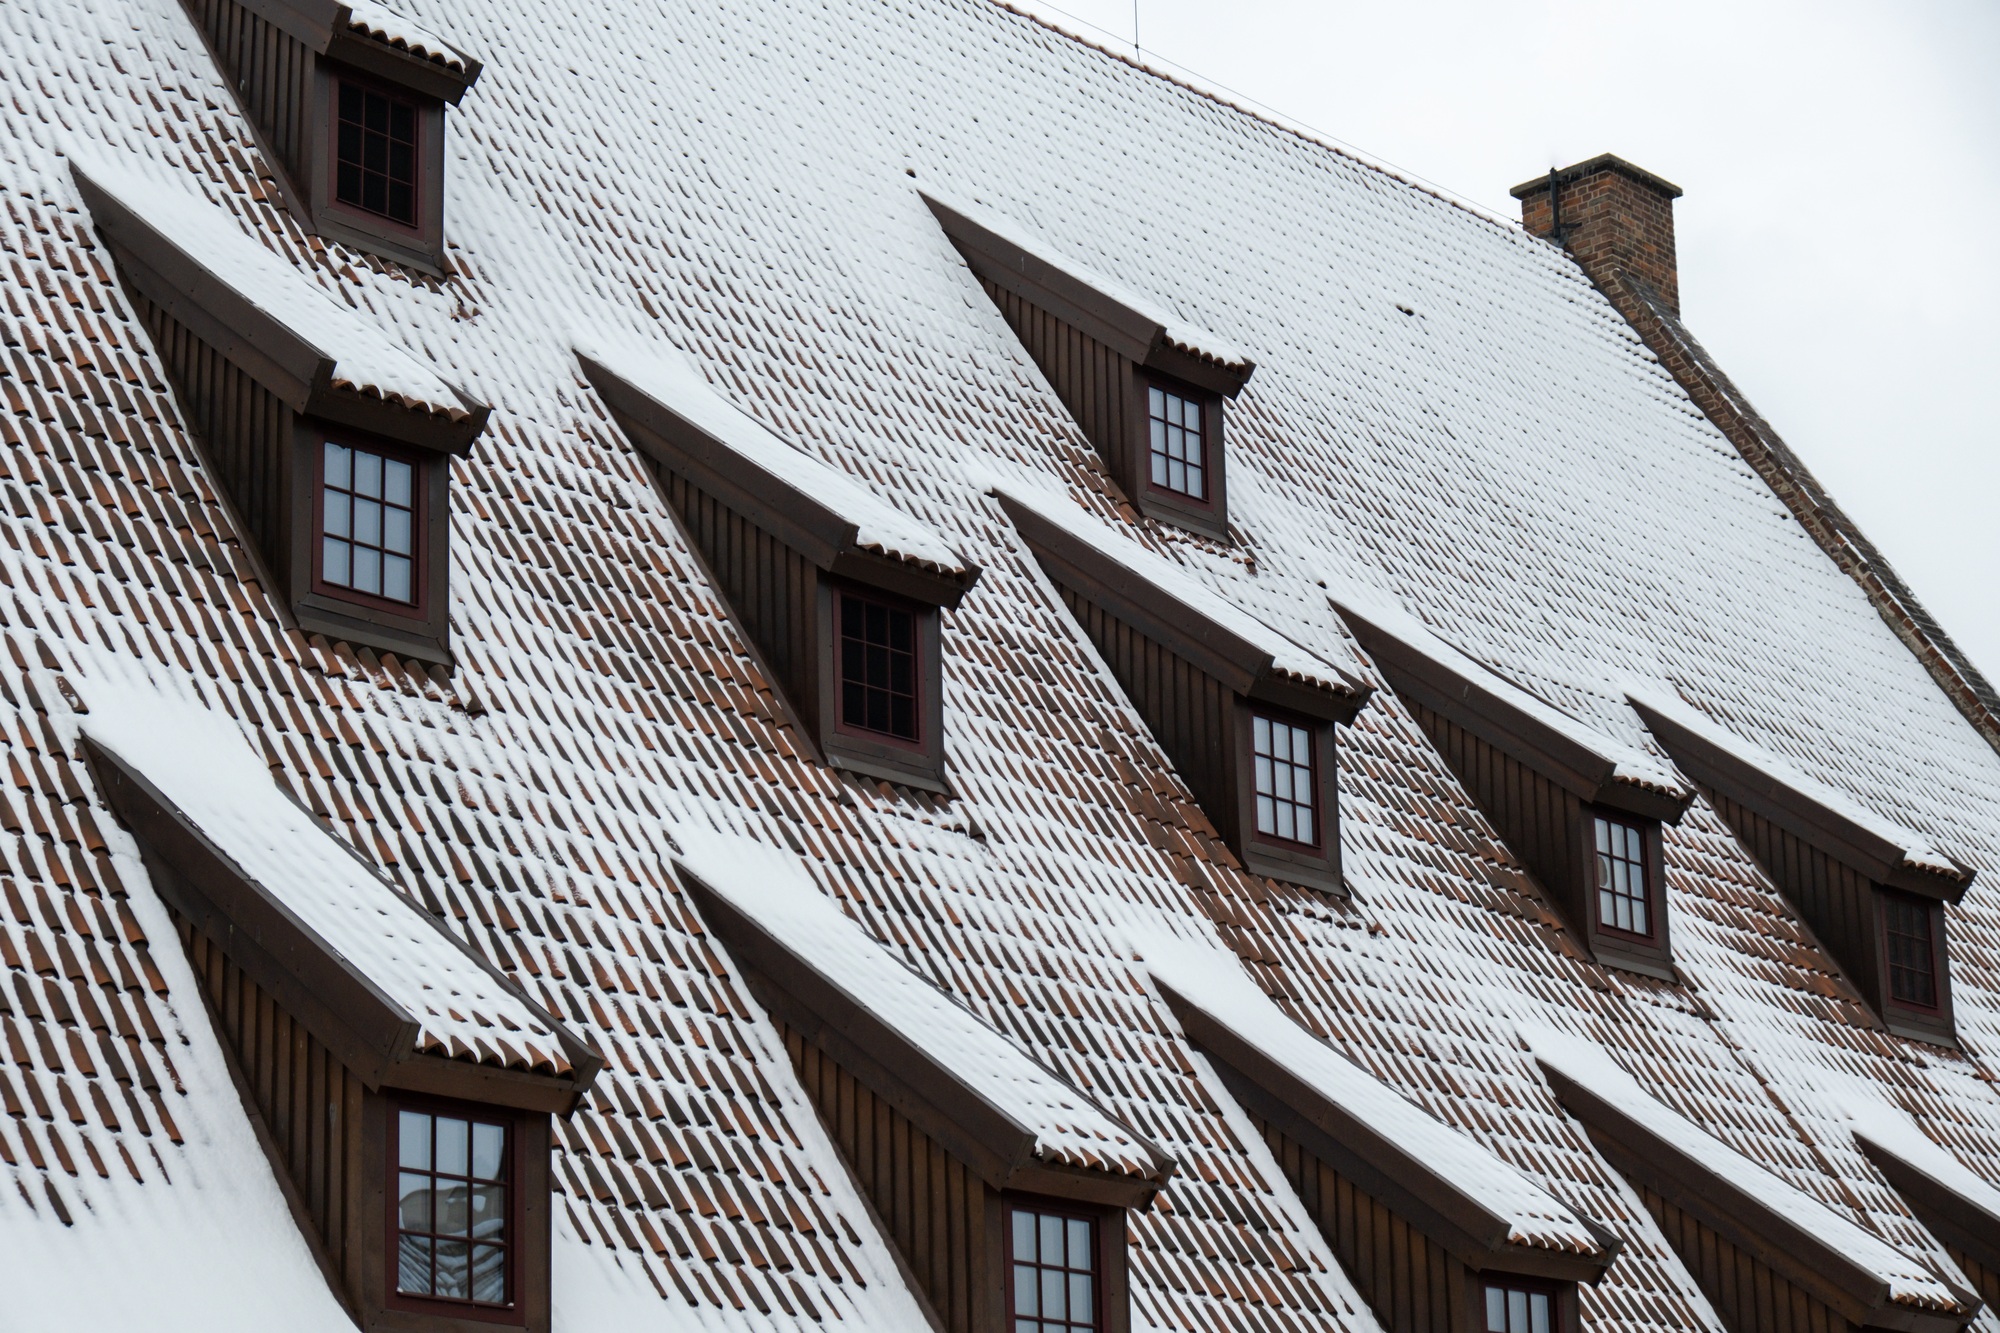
(1146, 388)
(1752, 1240)
(1246, 715)
(1582, 810)
(1002, 1186)
(330, 441)
(838, 592)
(1957, 1206)
(354, 1024)
(1379, 1174)
(348, 99)
(1872, 891)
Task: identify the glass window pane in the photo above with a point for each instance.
(368, 522)
(454, 1278)
(1027, 1291)
(453, 1143)
(413, 1265)
(1539, 1308)
(1024, 1235)
(489, 1274)
(367, 571)
(487, 1143)
(1052, 1239)
(334, 514)
(413, 1202)
(367, 474)
(396, 531)
(1517, 1311)
(1081, 1308)
(396, 480)
(452, 1203)
(489, 1212)
(396, 578)
(1496, 1310)
(1055, 1298)
(333, 562)
(413, 1140)
(1079, 1245)
(338, 465)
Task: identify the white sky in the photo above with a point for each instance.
(1839, 238)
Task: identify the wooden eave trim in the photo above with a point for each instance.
(770, 501)
(1795, 811)
(1956, 1220)
(325, 26)
(1484, 712)
(1378, 1163)
(347, 1012)
(441, 1076)
(261, 346)
(1746, 1219)
(1133, 334)
(996, 1147)
(1208, 646)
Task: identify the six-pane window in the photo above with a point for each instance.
(1287, 795)
(375, 153)
(1912, 955)
(1179, 461)
(1054, 1270)
(451, 1207)
(1512, 1309)
(878, 668)
(1622, 897)
(368, 523)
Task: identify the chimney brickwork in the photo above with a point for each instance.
(1616, 219)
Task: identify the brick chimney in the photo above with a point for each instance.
(1615, 219)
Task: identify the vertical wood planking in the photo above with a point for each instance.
(1749, 1296)
(272, 73)
(1094, 382)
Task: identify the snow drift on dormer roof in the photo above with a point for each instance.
(772, 888)
(1589, 1066)
(1387, 615)
(1891, 1132)
(1215, 982)
(201, 761)
(673, 382)
(1915, 850)
(381, 24)
(364, 358)
(1179, 333)
(1196, 598)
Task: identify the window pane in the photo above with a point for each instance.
(452, 1204)
(367, 571)
(453, 1139)
(413, 1265)
(454, 1278)
(489, 1211)
(1027, 1290)
(367, 474)
(1538, 1306)
(338, 465)
(1080, 1307)
(396, 531)
(879, 668)
(1517, 1311)
(489, 1274)
(413, 1140)
(413, 1202)
(396, 578)
(1496, 1310)
(1052, 1240)
(488, 1141)
(334, 562)
(1055, 1298)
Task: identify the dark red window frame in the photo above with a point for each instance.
(1295, 726)
(1508, 1287)
(1899, 910)
(420, 482)
(366, 87)
(511, 1311)
(912, 616)
(1038, 1322)
(1639, 833)
(1208, 409)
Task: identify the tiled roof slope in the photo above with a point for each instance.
(736, 178)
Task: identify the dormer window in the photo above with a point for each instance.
(1053, 1264)
(1625, 875)
(1582, 810)
(375, 151)
(349, 104)
(456, 1210)
(331, 442)
(1908, 925)
(369, 524)
(1245, 715)
(1872, 891)
(1515, 1305)
(840, 595)
(1144, 387)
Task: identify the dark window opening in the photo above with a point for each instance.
(1286, 788)
(1519, 1309)
(1176, 451)
(1912, 950)
(1624, 901)
(1052, 1268)
(878, 668)
(368, 530)
(452, 1232)
(375, 153)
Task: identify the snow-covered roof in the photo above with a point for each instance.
(772, 888)
(380, 23)
(1207, 611)
(1497, 702)
(127, 192)
(1879, 837)
(200, 762)
(671, 383)
(1406, 1140)
(1892, 1140)
(1680, 1149)
(1030, 254)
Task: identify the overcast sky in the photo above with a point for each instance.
(1839, 238)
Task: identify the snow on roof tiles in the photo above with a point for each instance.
(1506, 457)
(364, 357)
(1908, 1281)
(199, 760)
(773, 888)
(379, 22)
(1214, 981)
